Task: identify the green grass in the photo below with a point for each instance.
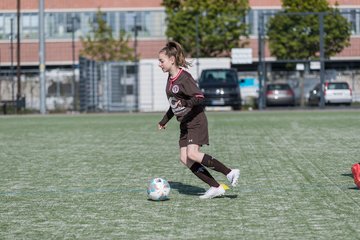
(84, 177)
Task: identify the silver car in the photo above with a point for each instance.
(279, 94)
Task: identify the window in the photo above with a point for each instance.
(219, 76)
(252, 22)
(2, 26)
(58, 25)
(111, 21)
(150, 23)
(333, 86)
(86, 19)
(353, 16)
(9, 25)
(355, 21)
(253, 19)
(30, 25)
(153, 23)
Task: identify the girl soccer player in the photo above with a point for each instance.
(185, 100)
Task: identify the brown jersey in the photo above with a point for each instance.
(190, 113)
(184, 88)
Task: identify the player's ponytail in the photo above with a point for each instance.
(174, 49)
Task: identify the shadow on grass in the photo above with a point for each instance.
(233, 196)
(163, 200)
(186, 189)
(350, 175)
(347, 175)
(193, 190)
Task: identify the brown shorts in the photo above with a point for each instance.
(194, 131)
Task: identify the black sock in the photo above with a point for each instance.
(212, 163)
(201, 172)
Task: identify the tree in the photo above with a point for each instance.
(219, 23)
(101, 45)
(297, 36)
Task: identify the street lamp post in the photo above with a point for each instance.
(12, 58)
(18, 95)
(261, 64)
(73, 19)
(322, 59)
(42, 58)
(136, 29)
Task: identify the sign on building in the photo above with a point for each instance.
(241, 56)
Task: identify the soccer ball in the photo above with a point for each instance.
(158, 189)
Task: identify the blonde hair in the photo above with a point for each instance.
(174, 49)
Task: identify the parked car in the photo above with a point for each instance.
(220, 87)
(279, 94)
(334, 93)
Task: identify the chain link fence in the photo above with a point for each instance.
(112, 87)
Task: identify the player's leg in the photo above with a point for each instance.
(198, 169)
(193, 152)
(197, 135)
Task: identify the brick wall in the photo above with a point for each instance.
(61, 52)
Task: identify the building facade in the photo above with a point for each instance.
(62, 17)
(66, 21)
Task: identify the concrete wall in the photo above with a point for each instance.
(152, 81)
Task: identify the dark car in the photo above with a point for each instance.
(279, 94)
(220, 88)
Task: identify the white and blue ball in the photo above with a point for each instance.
(158, 189)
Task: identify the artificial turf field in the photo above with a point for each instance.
(84, 177)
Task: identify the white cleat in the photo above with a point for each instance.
(213, 192)
(233, 177)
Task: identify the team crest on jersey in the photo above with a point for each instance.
(175, 89)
